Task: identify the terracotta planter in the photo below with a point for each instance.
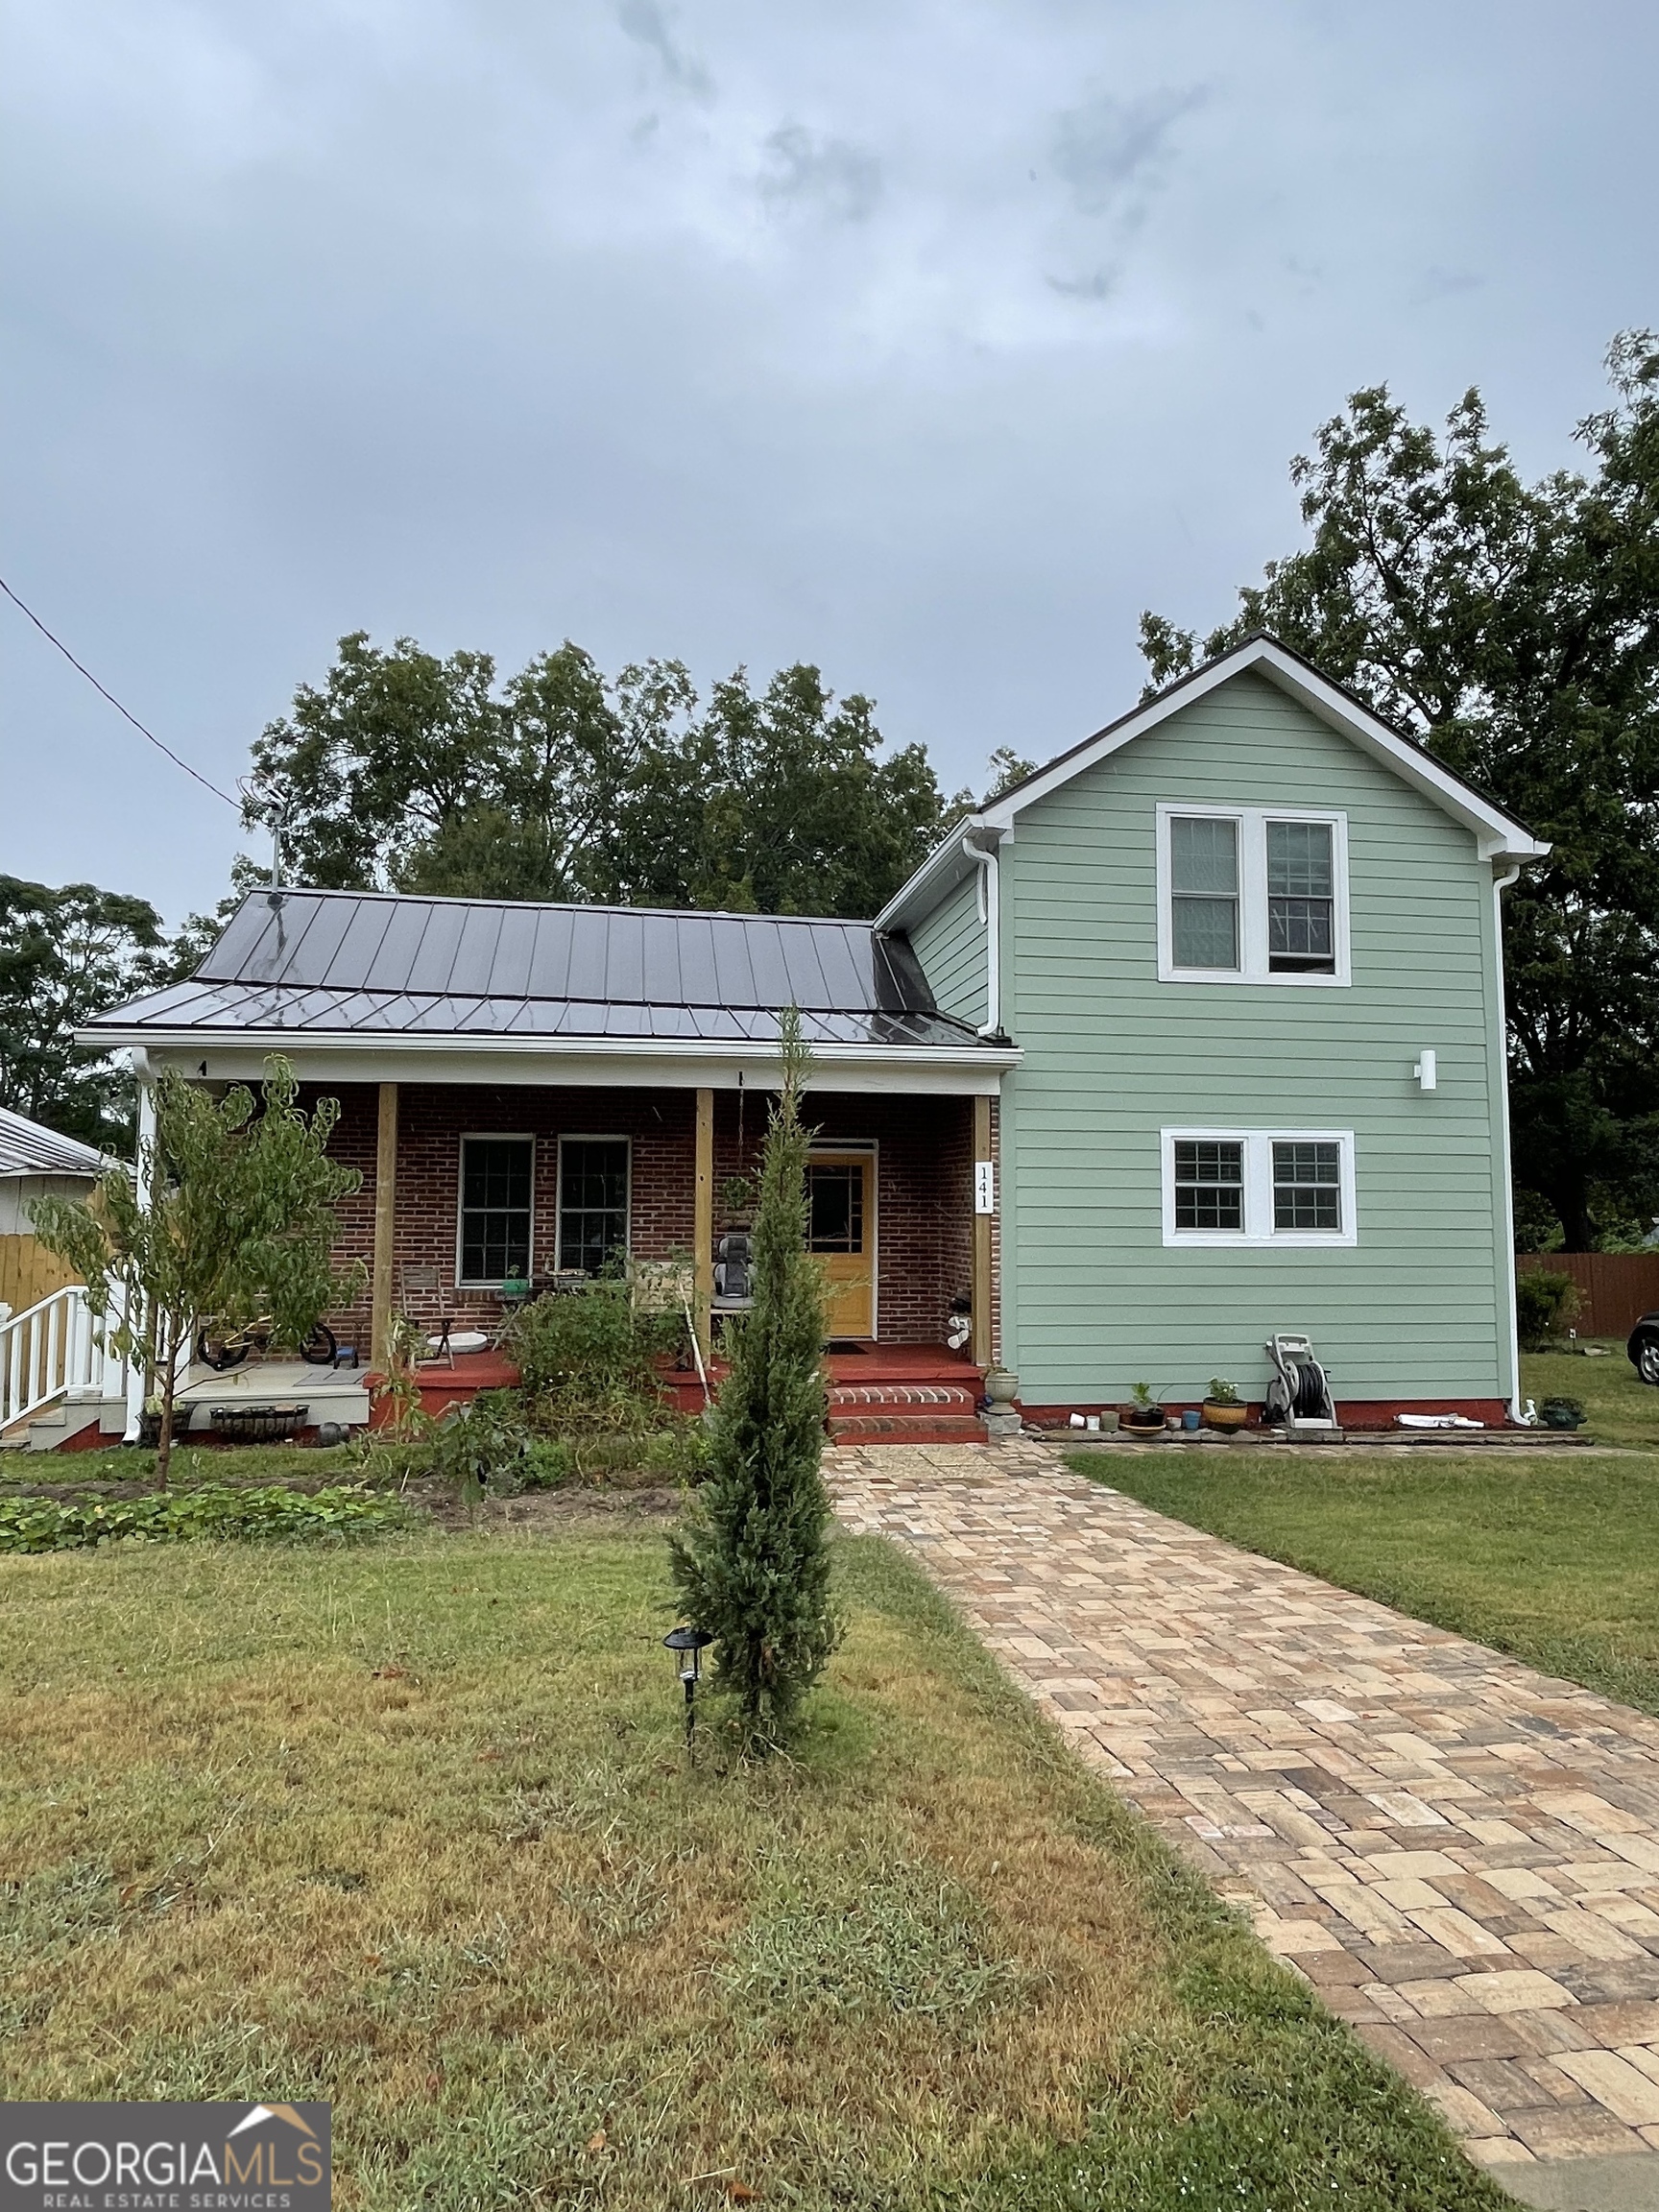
(1224, 1416)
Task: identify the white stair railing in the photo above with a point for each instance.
(48, 1350)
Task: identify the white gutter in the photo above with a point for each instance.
(991, 914)
(744, 1053)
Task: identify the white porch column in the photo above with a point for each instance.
(144, 1169)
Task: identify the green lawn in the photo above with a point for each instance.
(1622, 1409)
(1552, 1556)
(408, 1826)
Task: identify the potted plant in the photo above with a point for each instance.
(1562, 1414)
(150, 1425)
(1142, 1416)
(1223, 1408)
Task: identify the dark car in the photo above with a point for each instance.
(1644, 1348)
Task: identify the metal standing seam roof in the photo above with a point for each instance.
(369, 963)
(26, 1148)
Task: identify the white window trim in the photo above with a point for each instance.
(488, 1137)
(1251, 823)
(591, 1137)
(1259, 1231)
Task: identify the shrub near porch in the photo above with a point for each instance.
(409, 1827)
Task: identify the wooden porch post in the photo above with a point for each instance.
(385, 1217)
(980, 1291)
(702, 1218)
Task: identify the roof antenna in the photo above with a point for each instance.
(265, 800)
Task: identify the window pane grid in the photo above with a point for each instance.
(835, 1207)
(1307, 1186)
(495, 1207)
(1209, 1184)
(1204, 880)
(592, 1203)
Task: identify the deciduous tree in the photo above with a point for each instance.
(230, 1219)
(66, 954)
(1512, 629)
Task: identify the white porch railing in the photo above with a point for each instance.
(54, 1350)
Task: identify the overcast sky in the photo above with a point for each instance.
(930, 341)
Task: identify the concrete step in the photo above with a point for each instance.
(51, 1431)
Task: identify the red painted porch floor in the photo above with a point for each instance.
(881, 1393)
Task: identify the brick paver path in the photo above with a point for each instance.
(1460, 1852)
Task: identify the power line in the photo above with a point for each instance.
(114, 702)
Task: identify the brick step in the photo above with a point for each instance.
(945, 1399)
(920, 1427)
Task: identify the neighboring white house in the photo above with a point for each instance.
(37, 1162)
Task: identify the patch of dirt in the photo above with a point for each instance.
(545, 1511)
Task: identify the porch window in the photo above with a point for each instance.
(593, 1202)
(498, 1175)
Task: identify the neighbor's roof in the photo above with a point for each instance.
(318, 963)
(28, 1149)
(1498, 834)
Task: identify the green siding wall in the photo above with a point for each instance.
(950, 946)
(1093, 1300)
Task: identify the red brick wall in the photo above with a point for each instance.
(924, 1194)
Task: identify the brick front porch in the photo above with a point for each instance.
(922, 1148)
(882, 1393)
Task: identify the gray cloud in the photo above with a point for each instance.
(338, 315)
(842, 179)
(1098, 284)
(1438, 283)
(646, 23)
(1107, 145)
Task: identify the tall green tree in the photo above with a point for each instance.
(1512, 629)
(230, 1219)
(751, 1561)
(65, 954)
(405, 771)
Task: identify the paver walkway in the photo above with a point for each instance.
(1460, 1852)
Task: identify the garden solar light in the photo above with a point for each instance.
(689, 1645)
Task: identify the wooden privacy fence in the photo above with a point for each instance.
(29, 1272)
(1614, 1288)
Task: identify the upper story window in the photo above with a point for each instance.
(1252, 895)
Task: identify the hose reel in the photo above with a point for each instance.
(1298, 1396)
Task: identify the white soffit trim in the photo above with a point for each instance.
(1497, 835)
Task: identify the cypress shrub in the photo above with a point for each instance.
(751, 1561)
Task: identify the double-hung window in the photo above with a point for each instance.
(1252, 895)
(593, 1202)
(1247, 1187)
(498, 1178)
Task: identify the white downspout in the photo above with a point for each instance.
(991, 914)
(1500, 884)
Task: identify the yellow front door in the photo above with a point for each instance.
(841, 1232)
